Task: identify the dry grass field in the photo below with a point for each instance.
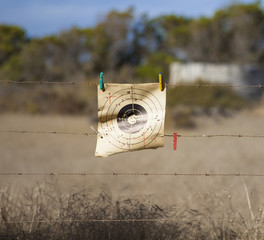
(201, 207)
(46, 153)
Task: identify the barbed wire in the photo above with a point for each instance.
(55, 132)
(3, 83)
(84, 83)
(197, 85)
(145, 174)
(124, 220)
(47, 132)
(92, 220)
(216, 135)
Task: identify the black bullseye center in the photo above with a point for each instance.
(132, 118)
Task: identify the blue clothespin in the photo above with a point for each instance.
(101, 81)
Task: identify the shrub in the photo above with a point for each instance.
(205, 97)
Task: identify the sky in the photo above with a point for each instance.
(45, 17)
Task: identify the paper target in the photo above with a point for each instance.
(130, 117)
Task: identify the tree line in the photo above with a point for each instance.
(128, 46)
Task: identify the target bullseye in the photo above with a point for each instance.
(132, 118)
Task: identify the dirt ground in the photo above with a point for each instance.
(73, 153)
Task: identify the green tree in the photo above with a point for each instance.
(124, 44)
(245, 24)
(12, 39)
(53, 58)
(98, 43)
(175, 32)
(233, 34)
(109, 41)
(156, 63)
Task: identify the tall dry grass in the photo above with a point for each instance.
(44, 212)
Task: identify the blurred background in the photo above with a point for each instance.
(129, 42)
(190, 42)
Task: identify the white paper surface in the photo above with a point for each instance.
(130, 117)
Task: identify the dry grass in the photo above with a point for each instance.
(44, 212)
(202, 203)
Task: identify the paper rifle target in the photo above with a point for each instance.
(130, 117)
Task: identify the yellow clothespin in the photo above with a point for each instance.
(161, 86)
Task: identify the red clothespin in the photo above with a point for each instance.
(175, 141)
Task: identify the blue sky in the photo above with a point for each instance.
(43, 17)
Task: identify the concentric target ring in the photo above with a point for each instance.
(131, 118)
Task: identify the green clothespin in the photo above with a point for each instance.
(101, 81)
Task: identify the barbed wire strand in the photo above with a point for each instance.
(3, 82)
(146, 174)
(197, 85)
(215, 135)
(46, 132)
(121, 220)
(93, 133)
(93, 220)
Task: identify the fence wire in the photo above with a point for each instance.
(93, 220)
(7, 83)
(46, 132)
(215, 135)
(197, 85)
(127, 174)
(55, 132)
(146, 220)
(22, 83)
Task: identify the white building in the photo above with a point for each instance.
(219, 74)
